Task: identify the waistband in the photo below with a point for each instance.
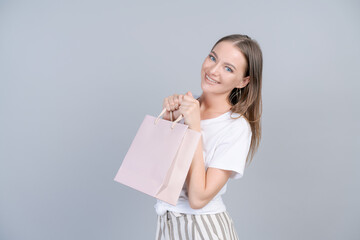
(175, 214)
(215, 206)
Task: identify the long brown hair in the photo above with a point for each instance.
(247, 100)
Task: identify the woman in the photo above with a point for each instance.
(231, 77)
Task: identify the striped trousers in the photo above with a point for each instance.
(181, 226)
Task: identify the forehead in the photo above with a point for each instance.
(227, 52)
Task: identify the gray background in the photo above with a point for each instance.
(78, 77)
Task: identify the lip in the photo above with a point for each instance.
(208, 80)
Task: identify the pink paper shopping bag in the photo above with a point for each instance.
(159, 158)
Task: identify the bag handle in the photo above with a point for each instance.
(171, 117)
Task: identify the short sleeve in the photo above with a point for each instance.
(232, 150)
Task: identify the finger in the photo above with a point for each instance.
(188, 98)
(176, 101)
(165, 104)
(171, 103)
(186, 104)
(181, 98)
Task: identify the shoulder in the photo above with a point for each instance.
(238, 127)
(239, 122)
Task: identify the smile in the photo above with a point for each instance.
(210, 80)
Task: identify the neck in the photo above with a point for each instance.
(214, 103)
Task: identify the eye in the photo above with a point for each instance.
(211, 56)
(229, 69)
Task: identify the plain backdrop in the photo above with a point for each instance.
(78, 77)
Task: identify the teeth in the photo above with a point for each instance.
(211, 79)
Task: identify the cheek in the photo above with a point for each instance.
(234, 81)
(205, 65)
(228, 80)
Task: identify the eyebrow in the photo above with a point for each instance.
(226, 62)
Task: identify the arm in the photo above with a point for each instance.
(203, 185)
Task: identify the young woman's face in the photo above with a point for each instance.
(225, 64)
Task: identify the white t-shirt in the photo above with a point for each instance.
(226, 143)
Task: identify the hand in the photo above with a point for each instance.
(172, 103)
(190, 109)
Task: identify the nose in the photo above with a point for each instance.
(214, 69)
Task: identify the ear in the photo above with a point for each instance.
(244, 82)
